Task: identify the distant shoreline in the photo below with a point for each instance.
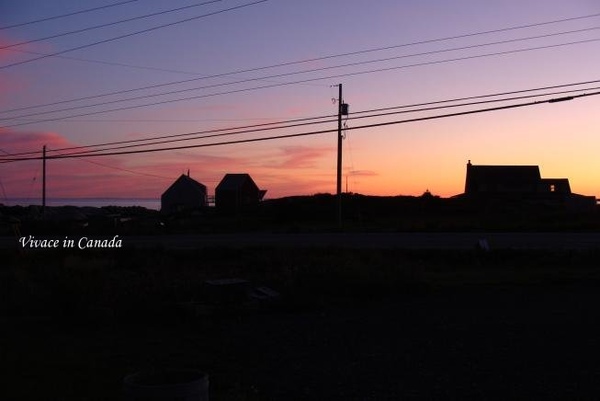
(148, 203)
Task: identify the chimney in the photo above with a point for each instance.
(188, 172)
(468, 178)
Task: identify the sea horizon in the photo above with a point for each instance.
(148, 203)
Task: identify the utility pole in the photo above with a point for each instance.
(342, 110)
(44, 181)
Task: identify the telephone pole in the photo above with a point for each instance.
(342, 110)
(44, 181)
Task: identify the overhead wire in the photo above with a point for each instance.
(480, 102)
(364, 111)
(236, 72)
(105, 62)
(124, 169)
(311, 133)
(66, 15)
(427, 41)
(170, 120)
(238, 129)
(356, 112)
(280, 127)
(217, 135)
(423, 106)
(261, 139)
(506, 29)
(132, 34)
(90, 28)
(330, 77)
(514, 92)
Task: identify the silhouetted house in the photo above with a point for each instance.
(522, 183)
(184, 194)
(493, 180)
(237, 192)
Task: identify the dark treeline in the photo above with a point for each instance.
(308, 214)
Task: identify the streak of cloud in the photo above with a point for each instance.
(299, 157)
(109, 177)
(363, 173)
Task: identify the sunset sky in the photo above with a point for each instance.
(248, 62)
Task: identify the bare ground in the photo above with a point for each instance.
(465, 342)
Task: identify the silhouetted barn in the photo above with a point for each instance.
(237, 192)
(523, 183)
(184, 194)
(502, 179)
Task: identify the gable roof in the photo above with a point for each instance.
(184, 181)
(502, 178)
(232, 182)
(512, 174)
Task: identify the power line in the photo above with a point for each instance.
(216, 135)
(107, 24)
(66, 15)
(132, 34)
(424, 106)
(104, 62)
(506, 29)
(239, 130)
(162, 120)
(124, 169)
(302, 134)
(480, 102)
(537, 89)
(332, 130)
(236, 72)
(387, 69)
(255, 130)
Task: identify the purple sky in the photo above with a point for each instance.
(561, 138)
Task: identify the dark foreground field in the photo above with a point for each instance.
(349, 325)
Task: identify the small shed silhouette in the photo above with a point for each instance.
(237, 192)
(184, 194)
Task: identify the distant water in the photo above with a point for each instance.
(148, 203)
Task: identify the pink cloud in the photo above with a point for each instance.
(299, 157)
(174, 162)
(363, 173)
(291, 170)
(89, 177)
(205, 168)
(287, 185)
(297, 111)
(18, 142)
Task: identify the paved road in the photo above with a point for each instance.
(546, 240)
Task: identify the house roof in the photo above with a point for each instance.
(187, 182)
(233, 182)
(508, 174)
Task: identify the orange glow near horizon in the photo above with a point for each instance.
(413, 162)
(389, 60)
